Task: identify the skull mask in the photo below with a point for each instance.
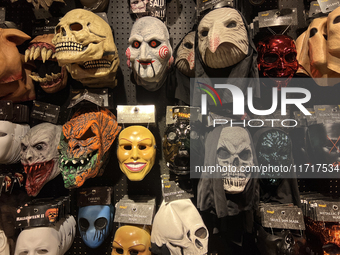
(136, 152)
(222, 38)
(131, 240)
(49, 74)
(95, 224)
(150, 52)
(15, 83)
(84, 145)
(185, 59)
(52, 214)
(39, 156)
(84, 43)
(277, 59)
(234, 150)
(178, 226)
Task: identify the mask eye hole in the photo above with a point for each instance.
(201, 233)
(76, 27)
(134, 252)
(223, 153)
(141, 147)
(245, 154)
(188, 45)
(270, 57)
(127, 147)
(231, 24)
(336, 20)
(100, 223)
(39, 146)
(313, 32)
(2, 134)
(154, 43)
(23, 147)
(42, 251)
(83, 224)
(204, 33)
(88, 134)
(136, 44)
(119, 251)
(290, 57)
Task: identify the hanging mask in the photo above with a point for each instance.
(222, 38)
(39, 156)
(95, 224)
(15, 83)
(176, 147)
(333, 37)
(84, 44)
(49, 74)
(185, 59)
(179, 227)
(131, 240)
(4, 247)
(277, 59)
(10, 137)
(136, 152)
(138, 6)
(150, 52)
(234, 149)
(84, 145)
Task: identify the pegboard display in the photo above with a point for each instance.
(181, 17)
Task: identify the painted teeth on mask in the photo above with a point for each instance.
(69, 46)
(78, 165)
(29, 168)
(235, 182)
(47, 77)
(35, 52)
(101, 63)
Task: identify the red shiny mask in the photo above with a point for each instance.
(277, 59)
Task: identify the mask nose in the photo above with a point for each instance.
(134, 153)
(144, 52)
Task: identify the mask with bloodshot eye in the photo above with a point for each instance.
(150, 53)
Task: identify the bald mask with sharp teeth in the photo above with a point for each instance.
(222, 38)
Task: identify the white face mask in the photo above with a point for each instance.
(10, 136)
(4, 247)
(149, 52)
(222, 38)
(185, 59)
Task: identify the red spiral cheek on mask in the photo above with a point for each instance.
(163, 52)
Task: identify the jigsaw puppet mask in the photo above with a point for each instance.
(150, 52)
(234, 150)
(131, 240)
(10, 137)
(179, 227)
(136, 152)
(185, 59)
(15, 83)
(39, 156)
(84, 145)
(49, 74)
(84, 44)
(95, 224)
(222, 38)
(277, 59)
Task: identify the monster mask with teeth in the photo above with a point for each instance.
(49, 74)
(85, 45)
(39, 156)
(84, 145)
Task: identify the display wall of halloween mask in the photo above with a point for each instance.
(222, 38)
(95, 224)
(10, 137)
(136, 152)
(84, 44)
(15, 83)
(178, 226)
(48, 73)
(39, 156)
(4, 247)
(131, 240)
(185, 59)
(234, 149)
(150, 52)
(277, 59)
(84, 145)
(176, 147)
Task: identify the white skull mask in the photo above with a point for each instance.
(222, 38)
(179, 226)
(10, 136)
(234, 150)
(84, 43)
(150, 52)
(39, 156)
(185, 59)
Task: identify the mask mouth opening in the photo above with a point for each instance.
(79, 164)
(135, 166)
(145, 63)
(95, 64)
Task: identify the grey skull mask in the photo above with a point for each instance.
(84, 44)
(222, 38)
(185, 59)
(39, 156)
(234, 151)
(150, 52)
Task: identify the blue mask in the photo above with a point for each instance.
(95, 224)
